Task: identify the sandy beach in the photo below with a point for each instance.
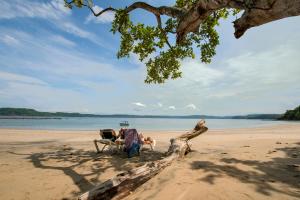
(253, 163)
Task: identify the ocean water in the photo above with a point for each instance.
(91, 123)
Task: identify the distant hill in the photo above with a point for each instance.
(291, 114)
(31, 113)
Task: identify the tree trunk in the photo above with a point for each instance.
(123, 184)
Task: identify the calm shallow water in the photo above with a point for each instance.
(88, 123)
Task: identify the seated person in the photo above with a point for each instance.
(132, 142)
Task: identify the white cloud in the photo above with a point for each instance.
(40, 54)
(9, 40)
(159, 104)
(62, 41)
(71, 28)
(12, 77)
(195, 72)
(42, 97)
(53, 11)
(274, 66)
(139, 104)
(18, 8)
(263, 80)
(97, 87)
(255, 73)
(106, 17)
(247, 81)
(172, 107)
(75, 30)
(191, 106)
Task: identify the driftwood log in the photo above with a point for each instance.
(124, 183)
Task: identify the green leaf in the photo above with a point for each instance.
(150, 43)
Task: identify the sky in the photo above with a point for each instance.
(56, 59)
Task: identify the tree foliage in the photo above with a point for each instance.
(188, 29)
(152, 43)
(292, 114)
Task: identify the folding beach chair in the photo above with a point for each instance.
(108, 139)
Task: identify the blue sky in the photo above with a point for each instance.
(56, 59)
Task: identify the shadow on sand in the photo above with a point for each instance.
(284, 170)
(85, 167)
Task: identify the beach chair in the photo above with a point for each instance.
(108, 139)
(151, 143)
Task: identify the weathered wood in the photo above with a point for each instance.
(123, 184)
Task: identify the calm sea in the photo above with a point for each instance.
(88, 123)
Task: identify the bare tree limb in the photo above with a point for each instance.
(102, 11)
(162, 10)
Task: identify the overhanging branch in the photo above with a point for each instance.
(162, 10)
(256, 13)
(102, 11)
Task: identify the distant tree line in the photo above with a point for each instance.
(32, 112)
(26, 112)
(291, 114)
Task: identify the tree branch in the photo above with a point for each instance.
(157, 11)
(162, 10)
(263, 12)
(102, 11)
(158, 18)
(256, 13)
